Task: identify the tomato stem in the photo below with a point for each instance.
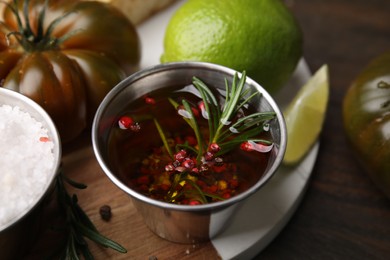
(38, 41)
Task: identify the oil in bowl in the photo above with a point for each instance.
(143, 138)
(138, 156)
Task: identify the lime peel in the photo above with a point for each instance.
(261, 37)
(305, 116)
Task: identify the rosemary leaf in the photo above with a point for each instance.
(100, 239)
(211, 106)
(196, 130)
(176, 106)
(83, 218)
(198, 189)
(163, 137)
(186, 147)
(256, 119)
(230, 106)
(77, 185)
(71, 250)
(78, 223)
(210, 98)
(86, 253)
(242, 125)
(247, 99)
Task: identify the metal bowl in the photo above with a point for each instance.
(23, 229)
(180, 223)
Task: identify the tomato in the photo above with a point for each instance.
(366, 113)
(69, 60)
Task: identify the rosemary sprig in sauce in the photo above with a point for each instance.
(196, 171)
(223, 132)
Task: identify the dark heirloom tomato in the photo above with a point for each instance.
(67, 68)
(366, 112)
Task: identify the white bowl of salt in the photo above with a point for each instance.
(30, 154)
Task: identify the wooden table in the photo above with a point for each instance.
(343, 215)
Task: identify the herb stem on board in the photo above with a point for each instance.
(79, 226)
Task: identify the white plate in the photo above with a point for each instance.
(264, 215)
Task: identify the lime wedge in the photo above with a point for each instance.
(305, 116)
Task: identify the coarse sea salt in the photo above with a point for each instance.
(26, 162)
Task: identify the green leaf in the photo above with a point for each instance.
(76, 185)
(198, 189)
(195, 126)
(100, 239)
(163, 138)
(79, 224)
(211, 106)
(234, 98)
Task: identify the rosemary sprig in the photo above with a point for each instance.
(222, 130)
(79, 226)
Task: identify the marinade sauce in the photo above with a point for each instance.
(140, 160)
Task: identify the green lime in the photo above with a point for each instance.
(305, 116)
(260, 37)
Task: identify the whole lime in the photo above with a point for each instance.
(259, 36)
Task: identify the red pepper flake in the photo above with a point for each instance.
(150, 101)
(226, 195)
(195, 112)
(157, 150)
(144, 188)
(201, 183)
(214, 148)
(188, 163)
(195, 170)
(180, 156)
(246, 146)
(194, 202)
(44, 139)
(169, 168)
(125, 122)
(144, 179)
(165, 187)
(208, 156)
(191, 140)
(178, 140)
(202, 108)
(213, 188)
(233, 183)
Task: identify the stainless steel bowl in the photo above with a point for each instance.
(180, 223)
(17, 234)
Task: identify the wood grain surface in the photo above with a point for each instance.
(342, 216)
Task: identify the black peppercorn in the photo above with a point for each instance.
(105, 212)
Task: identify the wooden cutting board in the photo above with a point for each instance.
(125, 226)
